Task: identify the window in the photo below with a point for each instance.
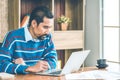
(111, 29)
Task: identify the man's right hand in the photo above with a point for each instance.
(39, 67)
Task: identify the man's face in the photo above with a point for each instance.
(43, 28)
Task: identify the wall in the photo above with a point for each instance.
(3, 18)
(92, 30)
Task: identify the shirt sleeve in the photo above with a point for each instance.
(50, 54)
(6, 60)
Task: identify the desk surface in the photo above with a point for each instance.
(39, 77)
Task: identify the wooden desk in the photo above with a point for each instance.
(39, 77)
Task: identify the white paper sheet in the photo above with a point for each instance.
(95, 74)
(4, 76)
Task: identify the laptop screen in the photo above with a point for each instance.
(75, 61)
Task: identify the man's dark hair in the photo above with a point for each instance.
(39, 13)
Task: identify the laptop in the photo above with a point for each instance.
(72, 65)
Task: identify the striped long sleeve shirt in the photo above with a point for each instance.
(17, 45)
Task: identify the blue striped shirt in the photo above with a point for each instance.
(20, 44)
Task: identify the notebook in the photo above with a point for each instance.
(72, 65)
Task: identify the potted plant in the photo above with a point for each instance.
(64, 21)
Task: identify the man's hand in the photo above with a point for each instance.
(39, 67)
(19, 61)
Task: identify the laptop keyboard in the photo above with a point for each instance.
(55, 72)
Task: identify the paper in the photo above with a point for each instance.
(6, 76)
(95, 74)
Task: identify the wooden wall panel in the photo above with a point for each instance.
(28, 5)
(59, 9)
(74, 10)
(13, 14)
(68, 39)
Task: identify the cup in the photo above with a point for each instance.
(101, 63)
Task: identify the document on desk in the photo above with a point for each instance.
(6, 76)
(95, 74)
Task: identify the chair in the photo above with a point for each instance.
(25, 20)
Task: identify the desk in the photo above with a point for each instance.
(39, 77)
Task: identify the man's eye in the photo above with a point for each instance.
(46, 27)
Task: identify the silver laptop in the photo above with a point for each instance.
(73, 64)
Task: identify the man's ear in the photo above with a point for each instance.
(34, 23)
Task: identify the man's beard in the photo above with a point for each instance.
(42, 37)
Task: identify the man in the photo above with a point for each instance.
(30, 49)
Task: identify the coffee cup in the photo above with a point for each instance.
(101, 63)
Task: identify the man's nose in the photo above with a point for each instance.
(48, 31)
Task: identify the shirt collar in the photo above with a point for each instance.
(27, 34)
